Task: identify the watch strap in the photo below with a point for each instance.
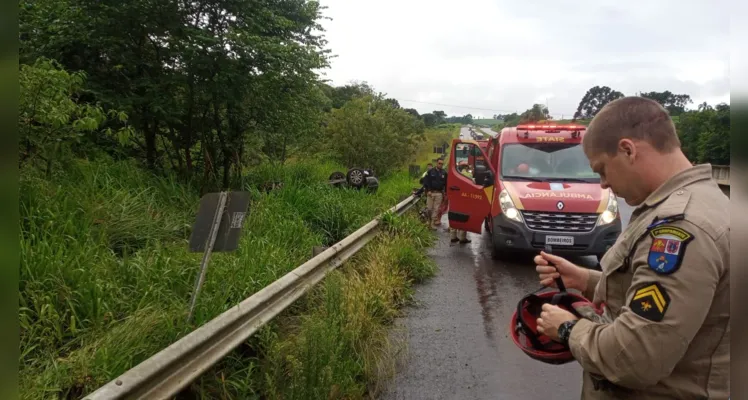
(567, 326)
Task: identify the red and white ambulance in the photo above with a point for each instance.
(533, 186)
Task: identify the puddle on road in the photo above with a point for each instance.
(499, 284)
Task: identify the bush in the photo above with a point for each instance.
(106, 277)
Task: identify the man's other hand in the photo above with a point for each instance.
(551, 318)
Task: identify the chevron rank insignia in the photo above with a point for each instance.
(668, 246)
(650, 302)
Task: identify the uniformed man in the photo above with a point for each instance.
(665, 284)
(435, 184)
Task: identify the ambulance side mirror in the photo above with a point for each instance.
(485, 178)
(488, 181)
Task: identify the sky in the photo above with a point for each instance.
(487, 57)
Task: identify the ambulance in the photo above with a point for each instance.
(532, 186)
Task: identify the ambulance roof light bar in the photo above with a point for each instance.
(543, 127)
(575, 129)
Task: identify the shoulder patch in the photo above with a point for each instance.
(668, 247)
(650, 302)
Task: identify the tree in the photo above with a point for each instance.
(368, 132)
(465, 119)
(50, 121)
(510, 119)
(538, 112)
(393, 102)
(430, 119)
(343, 94)
(675, 104)
(413, 112)
(594, 100)
(705, 134)
(202, 82)
(441, 117)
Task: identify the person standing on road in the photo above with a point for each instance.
(664, 288)
(457, 235)
(435, 183)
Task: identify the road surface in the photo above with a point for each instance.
(457, 333)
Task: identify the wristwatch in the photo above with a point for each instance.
(564, 331)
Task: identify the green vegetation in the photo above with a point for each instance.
(342, 349)
(704, 132)
(369, 133)
(436, 136)
(487, 122)
(128, 113)
(106, 278)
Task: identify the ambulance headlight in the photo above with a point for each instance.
(508, 208)
(611, 210)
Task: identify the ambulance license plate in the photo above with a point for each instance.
(560, 240)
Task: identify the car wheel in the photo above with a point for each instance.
(336, 176)
(356, 177)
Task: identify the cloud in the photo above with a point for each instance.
(495, 56)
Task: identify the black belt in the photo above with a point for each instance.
(600, 383)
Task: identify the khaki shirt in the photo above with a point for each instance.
(666, 288)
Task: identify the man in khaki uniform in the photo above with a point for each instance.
(665, 284)
(435, 183)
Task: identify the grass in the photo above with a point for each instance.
(435, 136)
(486, 121)
(106, 279)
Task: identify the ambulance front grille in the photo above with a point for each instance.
(559, 222)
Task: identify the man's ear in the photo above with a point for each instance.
(627, 148)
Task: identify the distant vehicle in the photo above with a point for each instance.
(533, 187)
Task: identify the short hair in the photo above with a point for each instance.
(632, 117)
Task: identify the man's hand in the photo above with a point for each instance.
(551, 318)
(574, 277)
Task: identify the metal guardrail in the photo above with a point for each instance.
(721, 174)
(173, 368)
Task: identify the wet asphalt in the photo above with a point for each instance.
(457, 333)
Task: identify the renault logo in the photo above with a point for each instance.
(560, 205)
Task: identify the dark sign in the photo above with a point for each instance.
(232, 218)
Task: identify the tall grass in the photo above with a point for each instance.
(435, 136)
(106, 279)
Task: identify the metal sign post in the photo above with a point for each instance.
(208, 251)
(216, 229)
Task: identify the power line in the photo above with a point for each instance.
(477, 108)
(452, 105)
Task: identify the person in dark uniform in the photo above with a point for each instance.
(435, 184)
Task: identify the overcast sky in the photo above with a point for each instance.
(488, 57)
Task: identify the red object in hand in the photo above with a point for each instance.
(523, 168)
(523, 326)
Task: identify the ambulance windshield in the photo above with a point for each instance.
(557, 162)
